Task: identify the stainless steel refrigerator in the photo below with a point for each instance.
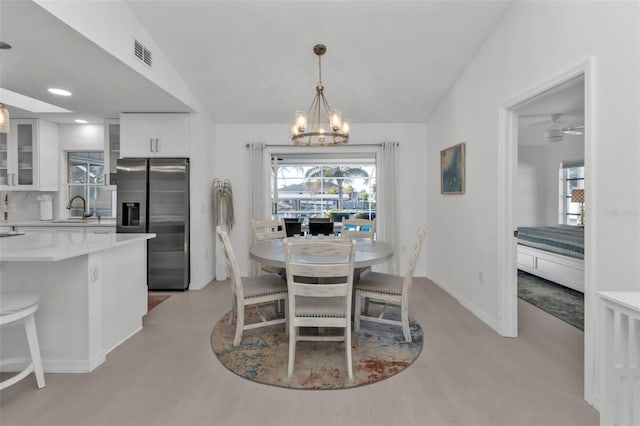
(153, 197)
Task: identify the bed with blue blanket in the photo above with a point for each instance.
(555, 253)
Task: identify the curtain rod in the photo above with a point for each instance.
(365, 145)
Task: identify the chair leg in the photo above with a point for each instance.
(239, 324)
(356, 316)
(292, 350)
(404, 318)
(34, 348)
(286, 316)
(347, 335)
(233, 309)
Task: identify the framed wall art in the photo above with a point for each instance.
(452, 177)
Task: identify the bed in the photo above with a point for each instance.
(555, 253)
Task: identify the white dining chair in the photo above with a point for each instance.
(320, 283)
(251, 291)
(268, 229)
(387, 289)
(359, 228)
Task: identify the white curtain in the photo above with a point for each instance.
(387, 205)
(260, 195)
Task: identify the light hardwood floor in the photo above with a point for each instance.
(466, 375)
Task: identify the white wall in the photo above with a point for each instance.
(537, 183)
(232, 162)
(534, 43)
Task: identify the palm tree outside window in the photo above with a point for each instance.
(307, 186)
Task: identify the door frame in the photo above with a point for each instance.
(507, 252)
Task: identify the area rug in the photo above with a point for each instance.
(378, 352)
(154, 300)
(555, 299)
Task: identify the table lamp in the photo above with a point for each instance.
(577, 196)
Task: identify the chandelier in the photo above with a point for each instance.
(320, 125)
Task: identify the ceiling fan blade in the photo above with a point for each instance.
(574, 130)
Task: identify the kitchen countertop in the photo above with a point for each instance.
(63, 223)
(54, 246)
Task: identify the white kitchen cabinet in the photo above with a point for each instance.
(29, 156)
(111, 150)
(154, 135)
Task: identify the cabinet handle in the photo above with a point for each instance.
(151, 144)
(157, 145)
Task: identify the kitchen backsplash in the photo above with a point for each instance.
(24, 205)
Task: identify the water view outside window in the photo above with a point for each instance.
(572, 177)
(86, 178)
(330, 189)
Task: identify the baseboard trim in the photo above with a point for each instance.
(482, 315)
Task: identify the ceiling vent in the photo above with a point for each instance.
(141, 52)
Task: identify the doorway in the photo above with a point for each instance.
(510, 209)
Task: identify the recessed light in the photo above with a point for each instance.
(81, 121)
(60, 92)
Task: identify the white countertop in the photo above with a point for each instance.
(63, 223)
(54, 246)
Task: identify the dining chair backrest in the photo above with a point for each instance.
(321, 228)
(413, 260)
(320, 268)
(359, 228)
(293, 226)
(232, 263)
(268, 229)
(319, 219)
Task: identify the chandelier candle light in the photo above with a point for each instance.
(309, 128)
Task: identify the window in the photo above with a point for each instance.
(571, 177)
(316, 185)
(85, 177)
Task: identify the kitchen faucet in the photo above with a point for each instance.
(84, 206)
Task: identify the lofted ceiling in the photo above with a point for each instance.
(253, 61)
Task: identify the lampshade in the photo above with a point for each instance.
(577, 196)
(4, 119)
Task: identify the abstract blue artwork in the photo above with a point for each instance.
(452, 169)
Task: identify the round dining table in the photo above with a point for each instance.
(368, 252)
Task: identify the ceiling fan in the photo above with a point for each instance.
(555, 133)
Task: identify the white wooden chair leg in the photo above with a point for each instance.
(347, 333)
(357, 307)
(239, 324)
(286, 316)
(233, 309)
(34, 348)
(404, 318)
(292, 351)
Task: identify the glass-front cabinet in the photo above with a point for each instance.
(17, 155)
(27, 163)
(111, 150)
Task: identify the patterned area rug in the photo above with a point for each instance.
(560, 301)
(379, 351)
(154, 300)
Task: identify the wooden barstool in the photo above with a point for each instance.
(16, 306)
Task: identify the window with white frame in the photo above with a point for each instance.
(85, 177)
(571, 177)
(316, 185)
